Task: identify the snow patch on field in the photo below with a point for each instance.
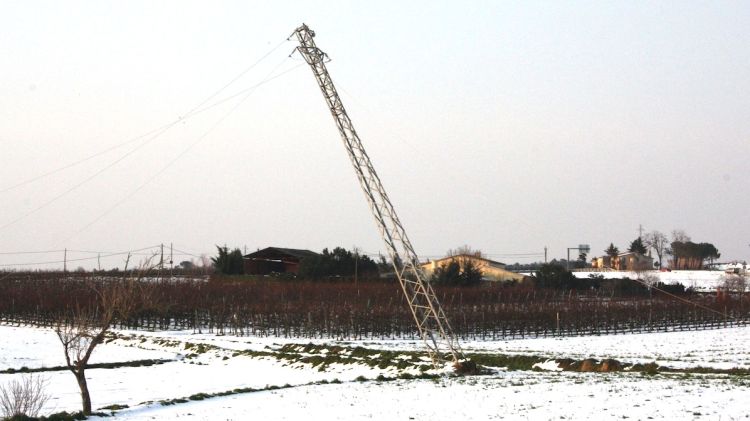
(209, 364)
(699, 280)
(517, 395)
(549, 365)
(40, 347)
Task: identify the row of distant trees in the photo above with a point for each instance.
(679, 251)
(340, 262)
(335, 263)
(686, 255)
(350, 264)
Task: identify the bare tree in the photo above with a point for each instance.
(84, 328)
(206, 264)
(680, 235)
(465, 250)
(735, 283)
(658, 242)
(26, 396)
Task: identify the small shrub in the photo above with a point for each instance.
(23, 397)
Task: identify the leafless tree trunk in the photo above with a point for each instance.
(83, 329)
(735, 283)
(79, 337)
(658, 242)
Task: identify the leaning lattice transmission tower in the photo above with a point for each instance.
(432, 324)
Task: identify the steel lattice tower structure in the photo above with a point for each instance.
(432, 324)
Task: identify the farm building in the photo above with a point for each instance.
(624, 261)
(275, 260)
(491, 270)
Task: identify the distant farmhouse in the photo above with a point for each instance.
(491, 270)
(629, 261)
(275, 260)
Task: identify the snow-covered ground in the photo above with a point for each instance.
(719, 348)
(512, 396)
(700, 280)
(21, 347)
(224, 363)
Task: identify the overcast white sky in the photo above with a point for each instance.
(507, 126)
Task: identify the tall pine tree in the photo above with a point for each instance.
(637, 246)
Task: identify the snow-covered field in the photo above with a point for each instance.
(210, 364)
(700, 280)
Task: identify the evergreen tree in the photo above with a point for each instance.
(339, 263)
(637, 246)
(557, 277)
(457, 272)
(447, 273)
(229, 263)
(690, 256)
(612, 251)
(471, 274)
(581, 262)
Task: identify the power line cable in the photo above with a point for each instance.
(13, 253)
(249, 91)
(76, 163)
(78, 259)
(156, 134)
(193, 111)
(7, 253)
(682, 299)
(85, 181)
(185, 253)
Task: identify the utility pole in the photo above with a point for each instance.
(545, 254)
(171, 261)
(65, 261)
(161, 259)
(432, 324)
(99, 262)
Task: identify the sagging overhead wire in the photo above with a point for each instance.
(248, 92)
(81, 161)
(97, 254)
(185, 253)
(195, 110)
(81, 259)
(17, 253)
(678, 298)
(85, 181)
(154, 134)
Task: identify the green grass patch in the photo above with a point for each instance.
(59, 416)
(136, 363)
(115, 407)
(511, 362)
